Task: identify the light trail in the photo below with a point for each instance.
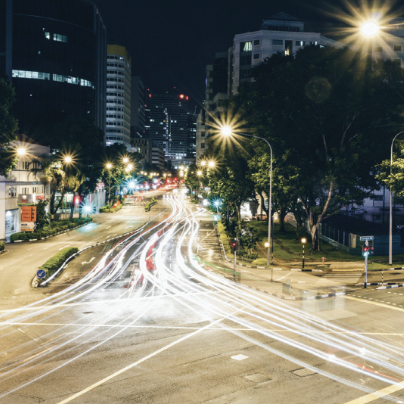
(345, 355)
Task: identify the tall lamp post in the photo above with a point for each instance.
(227, 131)
(391, 203)
(303, 241)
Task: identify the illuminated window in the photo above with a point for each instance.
(59, 38)
(30, 75)
(300, 43)
(313, 42)
(246, 46)
(47, 35)
(277, 42)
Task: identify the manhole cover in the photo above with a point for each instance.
(257, 378)
(303, 372)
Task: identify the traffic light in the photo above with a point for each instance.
(233, 245)
(372, 249)
(365, 250)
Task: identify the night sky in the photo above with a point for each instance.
(172, 41)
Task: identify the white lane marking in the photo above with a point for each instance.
(64, 247)
(89, 262)
(108, 227)
(119, 372)
(377, 394)
(239, 357)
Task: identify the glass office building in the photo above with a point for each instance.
(54, 52)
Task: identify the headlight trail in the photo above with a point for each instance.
(202, 292)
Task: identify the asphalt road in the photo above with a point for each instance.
(19, 264)
(148, 324)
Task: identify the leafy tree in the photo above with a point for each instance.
(326, 113)
(249, 236)
(41, 215)
(8, 128)
(192, 181)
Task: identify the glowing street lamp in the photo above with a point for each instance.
(227, 131)
(203, 163)
(130, 167)
(211, 164)
(369, 29)
(21, 151)
(125, 160)
(67, 159)
(199, 173)
(109, 166)
(217, 203)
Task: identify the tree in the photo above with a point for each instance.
(41, 215)
(326, 113)
(8, 128)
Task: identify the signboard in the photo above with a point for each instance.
(39, 197)
(367, 238)
(28, 214)
(41, 274)
(27, 226)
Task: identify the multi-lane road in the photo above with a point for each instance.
(147, 323)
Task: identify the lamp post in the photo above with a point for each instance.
(109, 167)
(391, 203)
(303, 241)
(227, 131)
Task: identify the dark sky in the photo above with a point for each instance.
(171, 41)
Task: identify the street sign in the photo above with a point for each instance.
(28, 214)
(27, 226)
(367, 238)
(41, 274)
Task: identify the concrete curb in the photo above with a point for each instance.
(392, 286)
(387, 269)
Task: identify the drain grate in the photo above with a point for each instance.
(303, 372)
(257, 378)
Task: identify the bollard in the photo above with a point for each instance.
(323, 260)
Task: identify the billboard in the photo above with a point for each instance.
(28, 218)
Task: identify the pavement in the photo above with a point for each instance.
(196, 337)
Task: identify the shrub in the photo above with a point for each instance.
(260, 262)
(57, 260)
(150, 204)
(1, 246)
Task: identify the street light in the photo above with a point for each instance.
(130, 167)
(109, 166)
(199, 173)
(391, 203)
(67, 159)
(369, 28)
(303, 241)
(211, 164)
(217, 203)
(203, 163)
(125, 160)
(21, 151)
(228, 131)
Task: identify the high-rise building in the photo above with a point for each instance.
(119, 67)
(280, 33)
(138, 102)
(191, 137)
(167, 122)
(54, 52)
(200, 134)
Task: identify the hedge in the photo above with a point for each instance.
(1, 246)
(150, 204)
(57, 227)
(105, 209)
(57, 260)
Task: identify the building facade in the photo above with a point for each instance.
(167, 122)
(191, 136)
(389, 43)
(118, 120)
(20, 188)
(54, 52)
(200, 134)
(138, 102)
(281, 33)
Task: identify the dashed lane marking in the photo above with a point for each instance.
(375, 303)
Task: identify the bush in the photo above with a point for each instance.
(1, 246)
(260, 262)
(57, 260)
(150, 204)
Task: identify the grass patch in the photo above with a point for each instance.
(260, 262)
(288, 248)
(149, 205)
